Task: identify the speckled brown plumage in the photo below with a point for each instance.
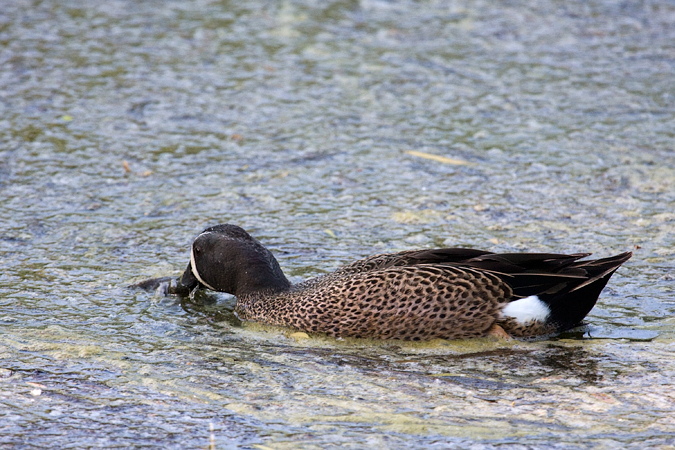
(450, 293)
(411, 303)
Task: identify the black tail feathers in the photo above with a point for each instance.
(573, 303)
(568, 286)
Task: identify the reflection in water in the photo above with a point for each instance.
(211, 306)
(571, 362)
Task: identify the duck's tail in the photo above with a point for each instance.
(550, 289)
(571, 304)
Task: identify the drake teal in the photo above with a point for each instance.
(447, 293)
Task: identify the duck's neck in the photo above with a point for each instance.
(262, 276)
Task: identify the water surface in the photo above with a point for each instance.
(293, 119)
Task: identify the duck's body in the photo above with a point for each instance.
(449, 293)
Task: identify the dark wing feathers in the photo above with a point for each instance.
(444, 255)
(601, 268)
(546, 274)
(411, 258)
(525, 262)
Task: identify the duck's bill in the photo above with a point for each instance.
(188, 280)
(170, 285)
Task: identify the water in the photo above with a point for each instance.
(293, 119)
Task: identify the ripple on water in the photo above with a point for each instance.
(128, 127)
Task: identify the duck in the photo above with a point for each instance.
(414, 295)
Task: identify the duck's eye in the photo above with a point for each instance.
(198, 250)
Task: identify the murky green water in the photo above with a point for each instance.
(292, 119)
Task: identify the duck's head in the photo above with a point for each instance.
(226, 258)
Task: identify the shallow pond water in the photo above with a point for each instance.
(127, 127)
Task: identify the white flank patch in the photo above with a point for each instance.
(193, 267)
(527, 309)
